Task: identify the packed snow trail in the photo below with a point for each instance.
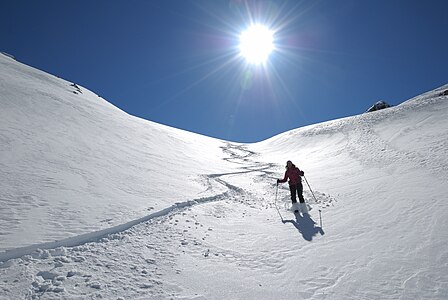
(137, 261)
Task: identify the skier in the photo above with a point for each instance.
(295, 186)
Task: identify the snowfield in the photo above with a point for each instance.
(95, 203)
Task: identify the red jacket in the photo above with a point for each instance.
(294, 174)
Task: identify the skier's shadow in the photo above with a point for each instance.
(306, 226)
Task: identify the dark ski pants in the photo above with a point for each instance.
(296, 188)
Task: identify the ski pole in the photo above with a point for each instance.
(315, 200)
(275, 203)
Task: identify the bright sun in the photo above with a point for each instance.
(256, 43)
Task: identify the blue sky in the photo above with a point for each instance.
(177, 62)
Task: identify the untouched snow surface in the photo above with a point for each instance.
(95, 203)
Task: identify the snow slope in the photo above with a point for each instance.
(376, 230)
(71, 163)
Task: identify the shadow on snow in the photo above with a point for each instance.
(306, 226)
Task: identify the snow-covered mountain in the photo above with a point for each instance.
(98, 203)
(72, 163)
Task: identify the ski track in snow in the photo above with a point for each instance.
(102, 264)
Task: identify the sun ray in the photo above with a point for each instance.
(200, 80)
(290, 98)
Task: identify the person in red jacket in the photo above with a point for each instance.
(294, 175)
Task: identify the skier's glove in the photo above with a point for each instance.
(302, 173)
(278, 181)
